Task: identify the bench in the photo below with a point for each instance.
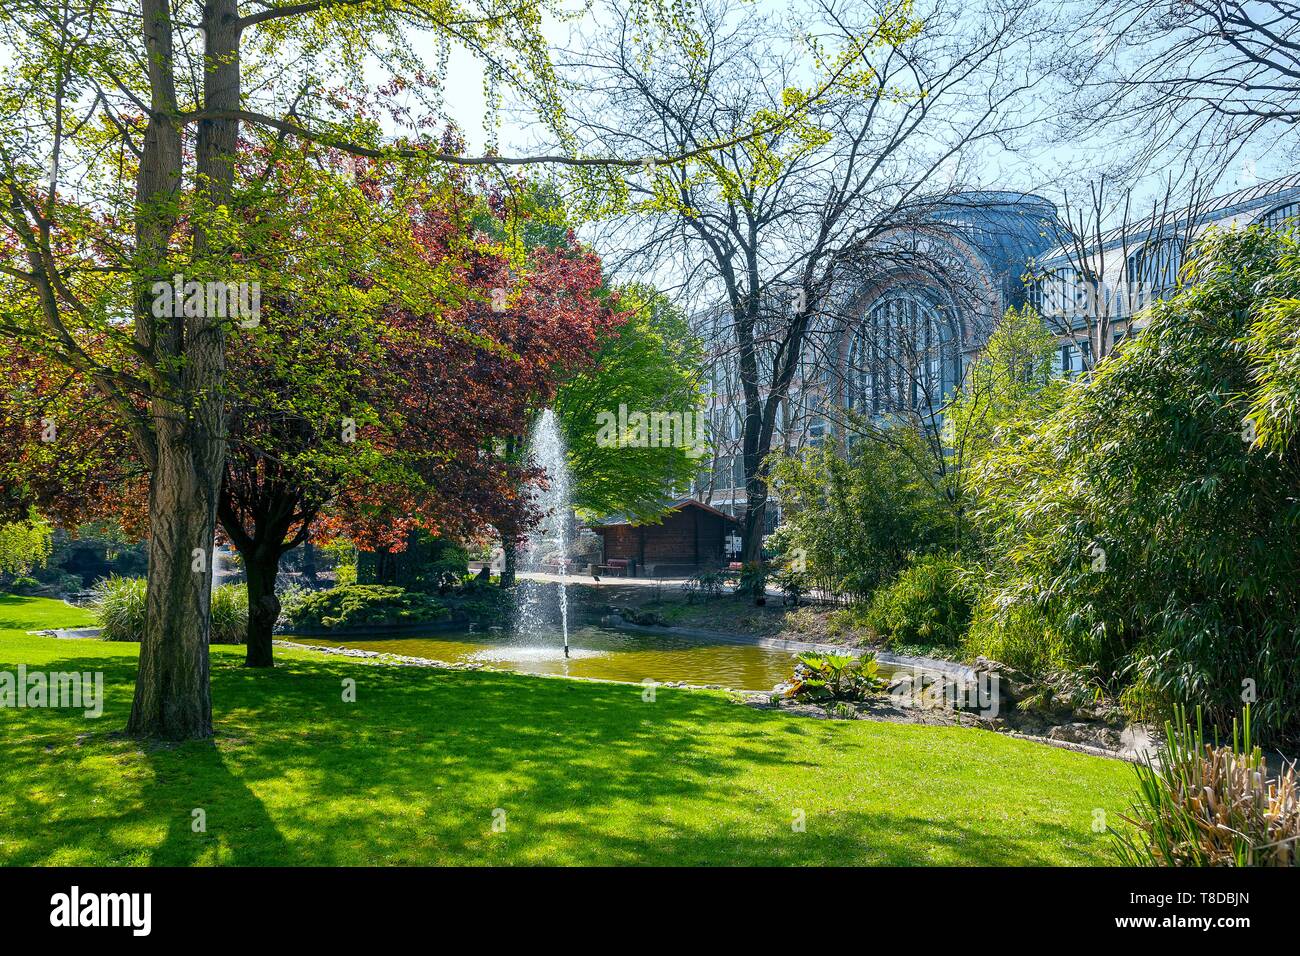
(619, 566)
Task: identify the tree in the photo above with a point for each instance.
(24, 544)
(1011, 385)
(651, 367)
(159, 92)
(1210, 76)
(768, 228)
(1153, 515)
(858, 514)
(1116, 261)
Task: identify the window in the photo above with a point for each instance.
(1057, 292)
(1153, 270)
(1281, 217)
(902, 357)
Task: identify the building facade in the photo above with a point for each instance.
(905, 328)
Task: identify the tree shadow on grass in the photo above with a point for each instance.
(432, 766)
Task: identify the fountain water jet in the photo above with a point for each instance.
(536, 612)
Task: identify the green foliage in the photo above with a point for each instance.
(24, 544)
(1204, 805)
(229, 614)
(428, 563)
(95, 550)
(119, 609)
(793, 584)
(1153, 517)
(1008, 390)
(836, 677)
(705, 585)
(858, 517)
(364, 604)
(1023, 637)
(926, 605)
(652, 363)
(752, 581)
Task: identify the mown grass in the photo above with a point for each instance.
(419, 767)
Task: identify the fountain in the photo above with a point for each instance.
(537, 609)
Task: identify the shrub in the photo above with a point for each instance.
(1201, 805)
(704, 585)
(25, 585)
(858, 514)
(847, 621)
(118, 607)
(835, 677)
(926, 605)
(752, 581)
(364, 604)
(1022, 637)
(793, 584)
(229, 614)
(1154, 512)
(67, 584)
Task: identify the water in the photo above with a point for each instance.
(542, 610)
(218, 568)
(598, 652)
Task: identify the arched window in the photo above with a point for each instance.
(902, 357)
(1281, 217)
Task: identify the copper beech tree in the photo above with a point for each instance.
(367, 421)
(119, 132)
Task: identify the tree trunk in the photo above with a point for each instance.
(172, 696)
(509, 560)
(309, 568)
(262, 566)
(754, 521)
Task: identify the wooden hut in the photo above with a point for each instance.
(690, 537)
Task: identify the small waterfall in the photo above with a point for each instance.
(542, 610)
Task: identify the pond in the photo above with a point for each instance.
(597, 652)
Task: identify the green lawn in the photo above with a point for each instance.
(585, 773)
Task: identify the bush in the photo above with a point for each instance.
(25, 585)
(1199, 805)
(364, 604)
(1021, 637)
(927, 605)
(705, 585)
(67, 584)
(752, 581)
(1153, 515)
(856, 516)
(793, 584)
(119, 609)
(229, 614)
(835, 677)
(847, 621)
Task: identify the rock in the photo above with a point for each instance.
(1013, 686)
(1092, 735)
(1077, 733)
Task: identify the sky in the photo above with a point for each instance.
(1041, 165)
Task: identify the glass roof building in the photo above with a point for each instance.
(912, 313)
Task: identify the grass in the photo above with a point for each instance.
(586, 773)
